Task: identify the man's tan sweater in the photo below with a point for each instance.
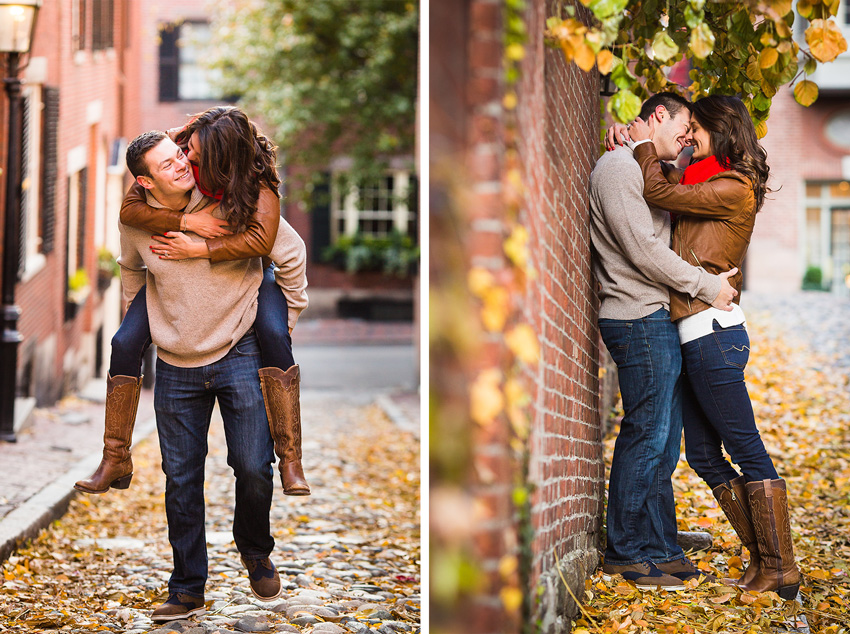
(197, 310)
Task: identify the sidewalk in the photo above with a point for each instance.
(62, 444)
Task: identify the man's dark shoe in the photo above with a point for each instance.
(645, 576)
(684, 569)
(178, 606)
(265, 582)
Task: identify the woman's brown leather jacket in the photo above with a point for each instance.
(256, 241)
(714, 223)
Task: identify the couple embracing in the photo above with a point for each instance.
(670, 319)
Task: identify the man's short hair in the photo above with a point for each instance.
(673, 102)
(138, 149)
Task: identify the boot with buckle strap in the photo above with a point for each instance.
(281, 393)
(116, 467)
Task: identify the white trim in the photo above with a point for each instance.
(77, 159)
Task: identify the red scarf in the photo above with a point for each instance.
(701, 171)
(197, 174)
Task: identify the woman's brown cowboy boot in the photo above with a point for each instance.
(732, 498)
(777, 569)
(116, 467)
(281, 393)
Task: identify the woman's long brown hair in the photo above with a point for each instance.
(235, 159)
(734, 140)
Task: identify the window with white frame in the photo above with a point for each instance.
(375, 209)
(32, 258)
(827, 234)
(182, 74)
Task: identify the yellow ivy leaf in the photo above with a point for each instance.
(663, 46)
(515, 52)
(702, 41)
(825, 40)
(510, 101)
(485, 397)
(522, 341)
(508, 565)
(768, 57)
(605, 61)
(480, 281)
(782, 7)
(753, 69)
(497, 305)
(804, 8)
(806, 92)
(511, 598)
(584, 56)
(516, 246)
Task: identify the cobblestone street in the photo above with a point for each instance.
(348, 555)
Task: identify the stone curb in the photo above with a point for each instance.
(397, 416)
(52, 501)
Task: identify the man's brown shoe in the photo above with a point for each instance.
(178, 606)
(265, 581)
(684, 569)
(645, 575)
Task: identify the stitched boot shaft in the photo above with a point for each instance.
(282, 397)
(777, 569)
(732, 498)
(116, 466)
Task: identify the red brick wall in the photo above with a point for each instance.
(88, 82)
(557, 132)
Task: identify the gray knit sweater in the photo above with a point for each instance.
(197, 310)
(632, 259)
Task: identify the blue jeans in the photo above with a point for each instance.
(271, 325)
(184, 400)
(716, 409)
(641, 509)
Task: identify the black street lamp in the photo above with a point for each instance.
(17, 25)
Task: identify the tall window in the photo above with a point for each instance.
(827, 234)
(377, 208)
(78, 24)
(103, 22)
(182, 75)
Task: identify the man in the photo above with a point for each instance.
(200, 319)
(634, 266)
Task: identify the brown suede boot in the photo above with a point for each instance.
(732, 498)
(777, 569)
(281, 393)
(116, 467)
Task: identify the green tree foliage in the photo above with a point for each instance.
(327, 77)
(735, 48)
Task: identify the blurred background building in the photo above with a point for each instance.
(100, 73)
(802, 236)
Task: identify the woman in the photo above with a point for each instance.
(716, 201)
(243, 176)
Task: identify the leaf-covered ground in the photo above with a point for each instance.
(802, 405)
(351, 550)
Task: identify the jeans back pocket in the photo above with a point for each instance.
(733, 344)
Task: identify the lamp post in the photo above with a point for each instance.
(17, 25)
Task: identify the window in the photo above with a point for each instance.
(103, 13)
(182, 75)
(95, 17)
(78, 25)
(30, 247)
(377, 208)
(827, 233)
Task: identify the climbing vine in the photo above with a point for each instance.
(747, 49)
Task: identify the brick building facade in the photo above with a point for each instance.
(73, 97)
(557, 127)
